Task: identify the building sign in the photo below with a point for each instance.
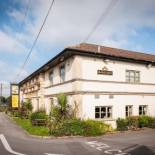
(105, 71)
(14, 95)
(15, 101)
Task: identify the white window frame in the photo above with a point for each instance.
(132, 76)
(62, 77)
(128, 110)
(103, 112)
(144, 109)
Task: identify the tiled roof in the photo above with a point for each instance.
(87, 49)
(113, 52)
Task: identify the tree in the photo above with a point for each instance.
(62, 110)
(2, 100)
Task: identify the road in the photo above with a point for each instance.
(14, 141)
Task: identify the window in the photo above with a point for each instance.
(132, 76)
(142, 109)
(62, 73)
(128, 110)
(97, 96)
(103, 112)
(51, 77)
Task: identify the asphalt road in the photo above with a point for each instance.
(14, 141)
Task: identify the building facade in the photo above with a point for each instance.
(104, 83)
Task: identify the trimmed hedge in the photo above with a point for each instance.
(74, 127)
(135, 122)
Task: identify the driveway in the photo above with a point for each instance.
(13, 140)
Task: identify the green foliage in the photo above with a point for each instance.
(34, 130)
(135, 122)
(94, 128)
(27, 106)
(16, 113)
(41, 114)
(72, 127)
(145, 121)
(122, 124)
(62, 110)
(152, 123)
(132, 122)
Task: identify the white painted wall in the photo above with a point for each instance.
(91, 65)
(86, 68)
(118, 104)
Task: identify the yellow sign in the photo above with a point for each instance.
(15, 101)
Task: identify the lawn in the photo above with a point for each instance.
(33, 130)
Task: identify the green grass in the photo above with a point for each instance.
(33, 130)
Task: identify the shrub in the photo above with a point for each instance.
(16, 114)
(41, 114)
(69, 127)
(94, 128)
(122, 124)
(80, 127)
(152, 123)
(132, 122)
(145, 121)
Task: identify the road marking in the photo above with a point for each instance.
(106, 148)
(52, 154)
(7, 146)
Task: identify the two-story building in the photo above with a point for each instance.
(105, 83)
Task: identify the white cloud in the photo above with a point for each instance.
(10, 44)
(70, 21)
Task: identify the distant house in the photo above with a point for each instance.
(106, 83)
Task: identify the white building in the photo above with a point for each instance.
(105, 83)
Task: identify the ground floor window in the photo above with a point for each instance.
(142, 109)
(128, 110)
(103, 112)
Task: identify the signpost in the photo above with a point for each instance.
(14, 95)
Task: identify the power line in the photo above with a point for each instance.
(101, 19)
(35, 41)
(23, 20)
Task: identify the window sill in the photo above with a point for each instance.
(105, 119)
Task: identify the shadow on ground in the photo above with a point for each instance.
(141, 150)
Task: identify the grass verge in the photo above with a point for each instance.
(33, 130)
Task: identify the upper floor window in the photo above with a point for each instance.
(51, 76)
(132, 76)
(142, 109)
(128, 110)
(103, 112)
(62, 73)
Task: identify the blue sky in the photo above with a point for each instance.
(130, 25)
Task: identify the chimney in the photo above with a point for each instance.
(99, 49)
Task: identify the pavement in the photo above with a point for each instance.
(14, 141)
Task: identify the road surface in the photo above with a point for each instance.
(14, 141)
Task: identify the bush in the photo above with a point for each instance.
(41, 114)
(152, 123)
(74, 127)
(122, 124)
(135, 122)
(94, 128)
(132, 122)
(145, 121)
(16, 114)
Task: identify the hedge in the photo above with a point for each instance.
(135, 122)
(72, 127)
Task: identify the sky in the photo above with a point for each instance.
(130, 24)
